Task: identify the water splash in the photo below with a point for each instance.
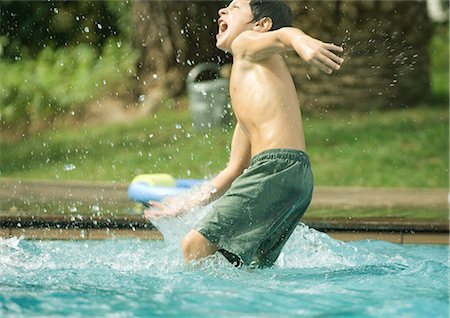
(319, 276)
(306, 248)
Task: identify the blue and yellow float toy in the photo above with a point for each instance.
(154, 187)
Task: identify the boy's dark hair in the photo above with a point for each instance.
(277, 10)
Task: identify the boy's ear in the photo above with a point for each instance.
(264, 24)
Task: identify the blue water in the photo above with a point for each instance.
(315, 276)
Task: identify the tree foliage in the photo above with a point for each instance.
(28, 27)
(55, 57)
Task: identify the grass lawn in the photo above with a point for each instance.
(399, 148)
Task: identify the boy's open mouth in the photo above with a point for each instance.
(222, 27)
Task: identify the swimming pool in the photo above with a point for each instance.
(314, 276)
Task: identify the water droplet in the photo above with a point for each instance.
(69, 167)
(99, 26)
(86, 29)
(155, 76)
(141, 98)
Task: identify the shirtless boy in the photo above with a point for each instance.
(267, 185)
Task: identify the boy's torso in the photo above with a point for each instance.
(265, 102)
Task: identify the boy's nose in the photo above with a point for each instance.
(222, 11)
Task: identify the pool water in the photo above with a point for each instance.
(314, 276)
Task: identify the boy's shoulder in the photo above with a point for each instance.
(256, 46)
(240, 44)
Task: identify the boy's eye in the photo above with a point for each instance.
(233, 6)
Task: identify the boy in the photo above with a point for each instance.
(267, 185)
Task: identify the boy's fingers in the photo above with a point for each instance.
(152, 214)
(155, 210)
(325, 64)
(330, 63)
(155, 204)
(148, 214)
(333, 56)
(322, 66)
(333, 47)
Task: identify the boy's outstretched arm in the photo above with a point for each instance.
(256, 46)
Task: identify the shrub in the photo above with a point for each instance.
(60, 81)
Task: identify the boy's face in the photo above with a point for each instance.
(233, 20)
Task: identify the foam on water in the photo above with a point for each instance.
(306, 248)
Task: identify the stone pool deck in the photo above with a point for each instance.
(44, 226)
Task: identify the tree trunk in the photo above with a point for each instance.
(386, 58)
(171, 37)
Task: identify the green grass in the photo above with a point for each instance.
(400, 148)
(165, 142)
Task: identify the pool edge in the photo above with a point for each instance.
(96, 228)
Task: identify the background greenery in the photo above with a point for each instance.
(56, 57)
(56, 64)
(66, 55)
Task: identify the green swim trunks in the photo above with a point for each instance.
(252, 221)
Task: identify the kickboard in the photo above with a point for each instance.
(155, 187)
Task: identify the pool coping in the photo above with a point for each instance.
(100, 227)
(323, 197)
(398, 230)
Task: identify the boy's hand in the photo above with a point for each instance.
(158, 210)
(318, 53)
(181, 203)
